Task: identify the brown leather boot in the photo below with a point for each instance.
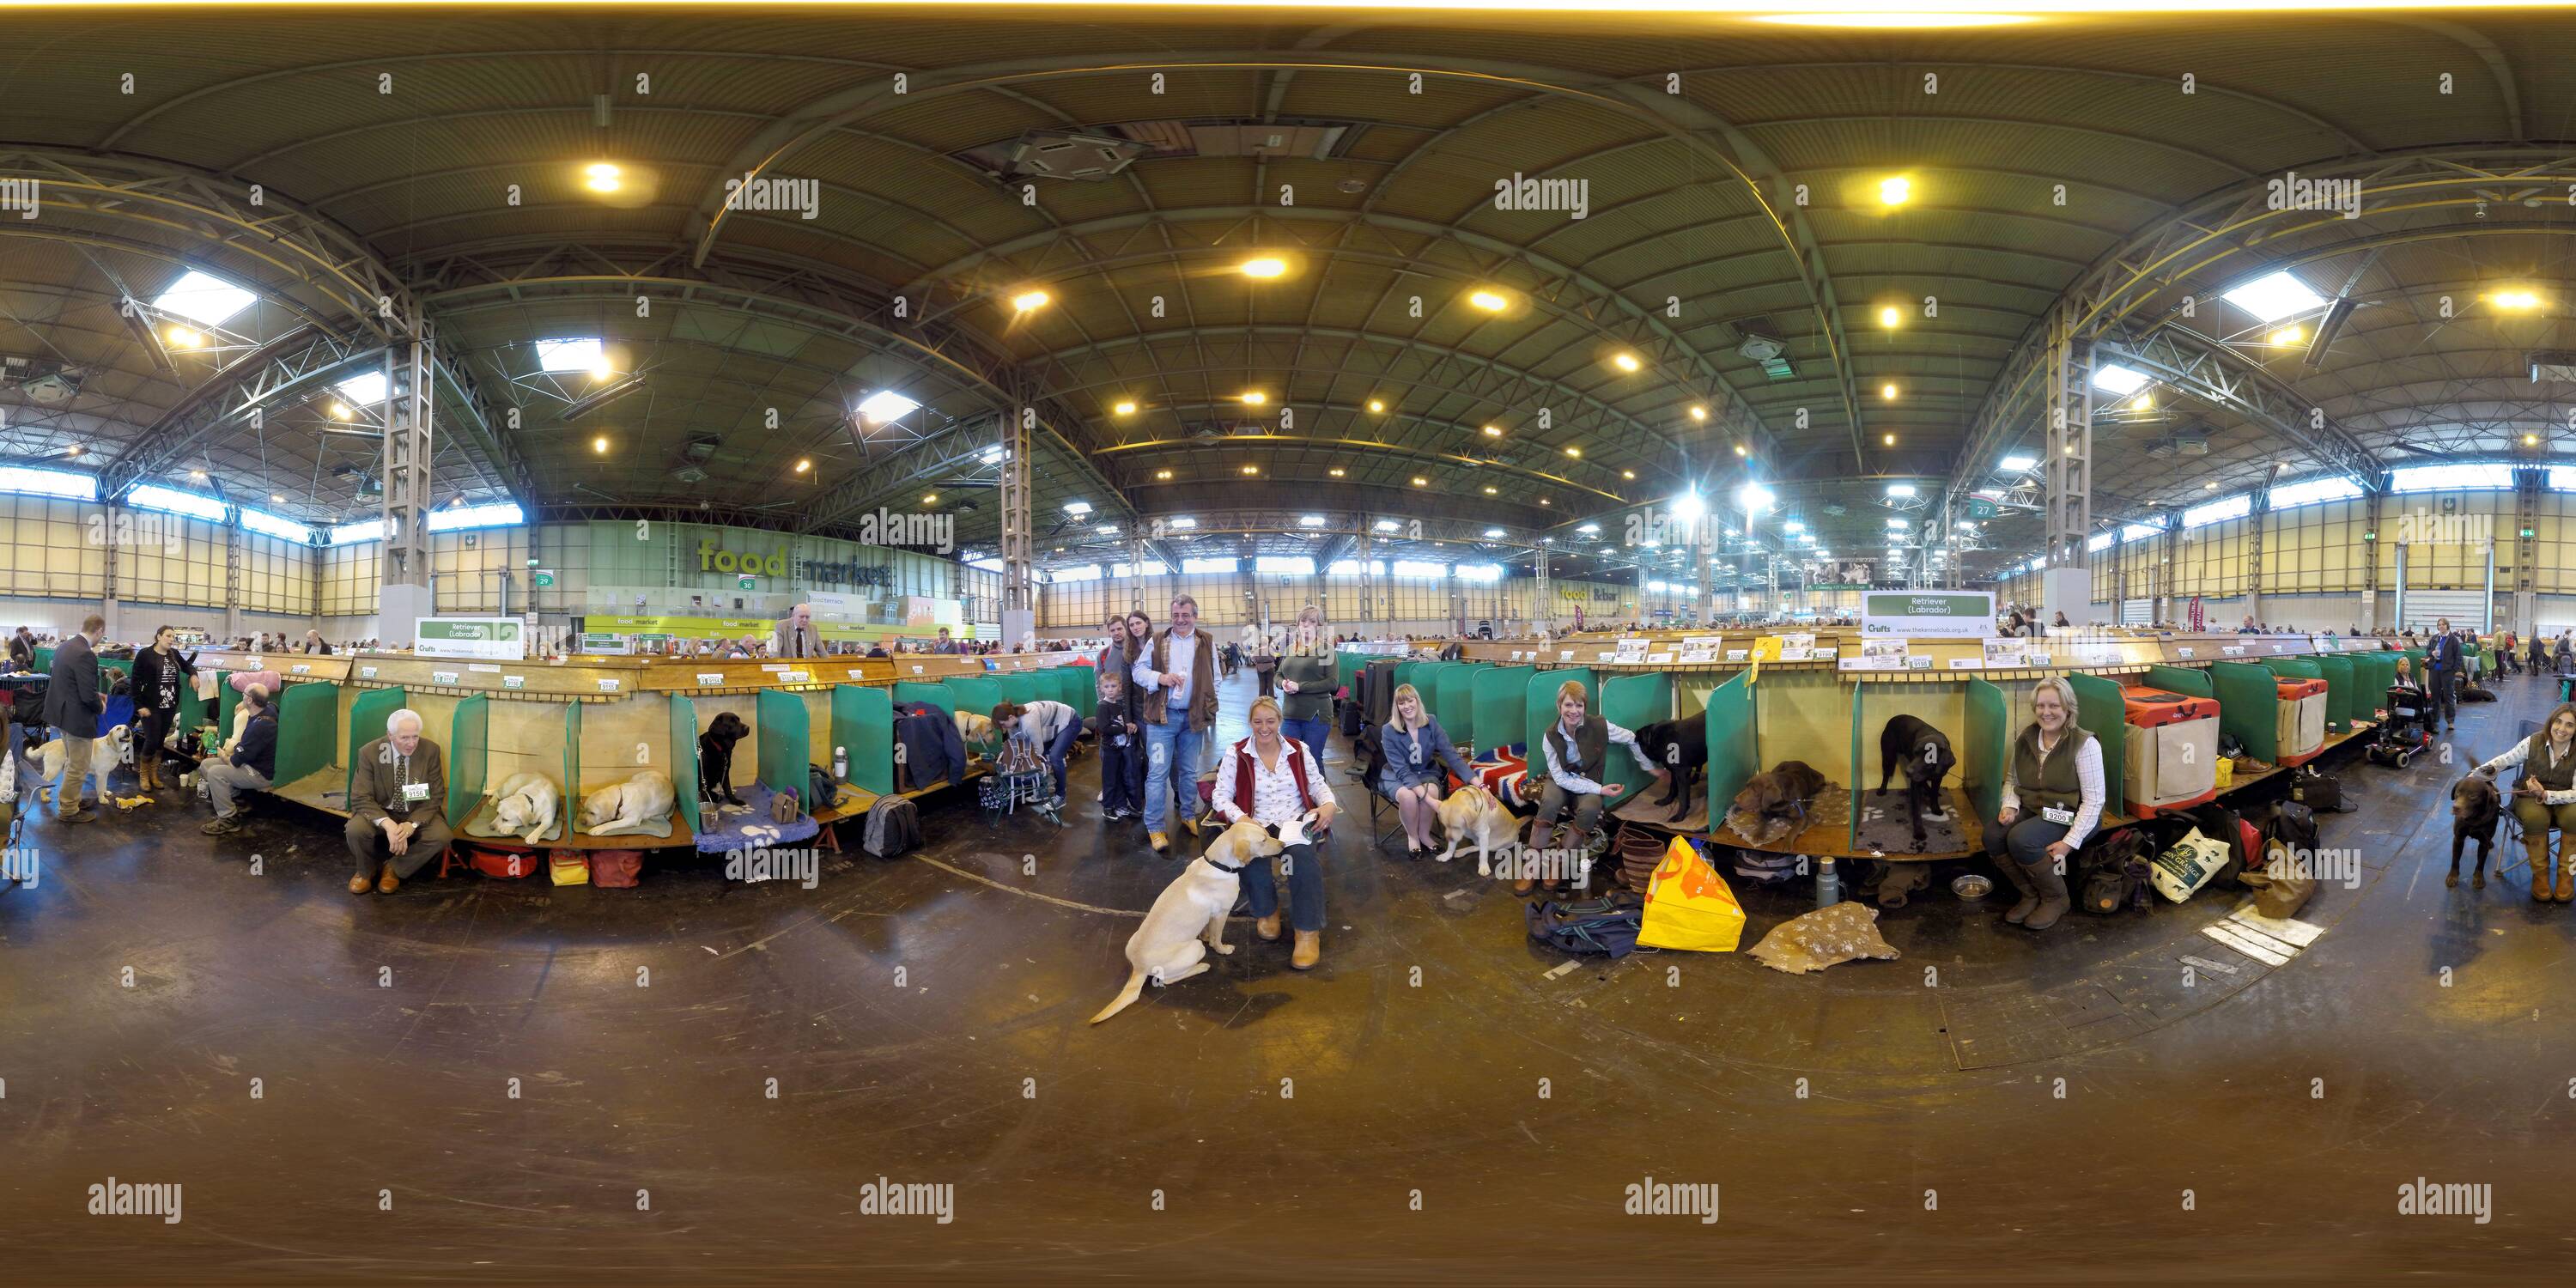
(2536, 849)
(1309, 950)
(1267, 928)
(359, 884)
(2566, 879)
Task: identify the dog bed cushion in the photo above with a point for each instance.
(1887, 828)
(484, 823)
(751, 829)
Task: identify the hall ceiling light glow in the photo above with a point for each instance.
(1493, 431)
(1917, 21)
(1627, 362)
(2514, 300)
(1251, 469)
(1698, 412)
(2119, 380)
(576, 354)
(1029, 301)
(2019, 464)
(1887, 440)
(804, 466)
(1900, 489)
(1491, 490)
(1574, 451)
(1630, 475)
(2275, 296)
(1755, 497)
(1895, 190)
(1489, 301)
(599, 445)
(1107, 529)
(1387, 525)
(1184, 521)
(184, 338)
(2288, 335)
(930, 498)
(885, 405)
(365, 389)
(1493, 532)
(1887, 317)
(1336, 471)
(1419, 481)
(1590, 529)
(1376, 406)
(1077, 508)
(203, 298)
(1887, 392)
(602, 176)
(1265, 266)
(1124, 409)
(1162, 476)
(1254, 397)
(2143, 402)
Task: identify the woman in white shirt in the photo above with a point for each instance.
(2054, 771)
(1046, 725)
(1272, 781)
(2545, 797)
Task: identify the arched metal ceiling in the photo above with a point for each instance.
(1731, 172)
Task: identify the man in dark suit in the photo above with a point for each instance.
(75, 697)
(2442, 668)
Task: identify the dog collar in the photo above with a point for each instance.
(1219, 866)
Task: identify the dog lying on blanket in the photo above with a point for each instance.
(1472, 814)
(640, 804)
(106, 751)
(527, 805)
(1188, 917)
(1773, 806)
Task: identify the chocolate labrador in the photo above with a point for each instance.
(1774, 805)
(1923, 752)
(2475, 807)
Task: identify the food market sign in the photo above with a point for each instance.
(1928, 614)
(502, 638)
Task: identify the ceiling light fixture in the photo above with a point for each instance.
(1265, 266)
(1254, 398)
(1028, 301)
(804, 466)
(1124, 409)
(1627, 362)
(1489, 301)
(602, 176)
(1376, 406)
(1895, 190)
(599, 445)
(1888, 316)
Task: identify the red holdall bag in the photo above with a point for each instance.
(616, 869)
(508, 865)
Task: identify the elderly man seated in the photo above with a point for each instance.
(246, 763)
(397, 820)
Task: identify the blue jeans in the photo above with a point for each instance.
(1171, 759)
(1057, 751)
(1310, 732)
(1305, 887)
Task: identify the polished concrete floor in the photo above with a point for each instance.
(693, 1081)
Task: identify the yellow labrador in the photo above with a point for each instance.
(1188, 917)
(1473, 814)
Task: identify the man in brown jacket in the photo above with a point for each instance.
(397, 818)
(1180, 669)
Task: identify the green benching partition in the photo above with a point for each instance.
(684, 756)
(2180, 679)
(308, 727)
(2247, 707)
(1455, 704)
(1632, 702)
(1024, 688)
(934, 692)
(1404, 673)
(1988, 742)
(981, 693)
(1426, 681)
(2102, 711)
(2343, 693)
(367, 715)
(225, 700)
(1539, 705)
(1734, 753)
(469, 757)
(863, 722)
(1077, 686)
(1502, 705)
(2381, 675)
(1858, 767)
(784, 740)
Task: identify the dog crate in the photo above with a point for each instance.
(2299, 728)
(2169, 750)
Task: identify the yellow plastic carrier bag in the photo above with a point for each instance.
(1688, 905)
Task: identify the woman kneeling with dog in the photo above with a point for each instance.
(2056, 768)
(1269, 780)
(2545, 798)
(1410, 775)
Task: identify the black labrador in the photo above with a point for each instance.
(1923, 753)
(1681, 747)
(715, 758)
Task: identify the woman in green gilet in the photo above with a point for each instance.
(2053, 794)
(2545, 797)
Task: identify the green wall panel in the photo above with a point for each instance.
(1502, 705)
(863, 722)
(1733, 755)
(2247, 703)
(2100, 708)
(367, 715)
(469, 757)
(785, 741)
(684, 762)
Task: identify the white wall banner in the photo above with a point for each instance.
(504, 638)
(1928, 614)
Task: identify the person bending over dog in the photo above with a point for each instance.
(1049, 727)
(1578, 747)
(2055, 768)
(1415, 750)
(2545, 798)
(1267, 778)
(398, 822)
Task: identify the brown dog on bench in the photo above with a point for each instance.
(1773, 806)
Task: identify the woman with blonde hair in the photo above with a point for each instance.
(1267, 779)
(1415, 752)
(2054, 767)
(1306, 681)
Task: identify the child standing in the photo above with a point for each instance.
(1120, 743)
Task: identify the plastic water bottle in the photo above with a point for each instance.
(840, 764)
(1829, 886)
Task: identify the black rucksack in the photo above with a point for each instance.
(2318, 790)
(820, 791)
(1606, 926)
(2115, 875)
(894, 828)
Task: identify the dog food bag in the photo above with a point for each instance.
(2182, 870)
